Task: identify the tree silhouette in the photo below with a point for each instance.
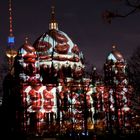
(132, 6)
(134, 69)
(134, 75)
(3, 72)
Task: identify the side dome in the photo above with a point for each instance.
(115, 55)
(26, 63)
(55, 46)
(27, 52)
(26, 48)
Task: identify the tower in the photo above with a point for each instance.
(120, 92)
(10, 53)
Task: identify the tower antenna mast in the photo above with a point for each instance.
(10, 53)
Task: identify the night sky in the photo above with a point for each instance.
(81, 20)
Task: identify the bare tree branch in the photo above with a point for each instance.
(134, 5)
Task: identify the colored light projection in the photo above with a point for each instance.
(57, 98)
(55, 95)
(56, 46)
(119, 91)
(76, 106)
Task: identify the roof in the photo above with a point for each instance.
(115, 55)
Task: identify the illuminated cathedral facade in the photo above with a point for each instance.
(53, 96)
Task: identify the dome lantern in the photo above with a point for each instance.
(53, 24)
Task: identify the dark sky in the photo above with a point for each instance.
(80, 19)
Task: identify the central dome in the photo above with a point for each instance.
(57, 54)
(56, 47)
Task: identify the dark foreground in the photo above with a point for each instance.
(113, 137)
(93, 137)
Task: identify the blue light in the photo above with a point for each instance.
(11, 39)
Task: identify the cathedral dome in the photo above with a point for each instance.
(115, 55)
(55, 46)
(27, 51)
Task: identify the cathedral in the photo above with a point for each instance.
(50, 94)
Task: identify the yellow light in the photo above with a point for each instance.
(11, 53)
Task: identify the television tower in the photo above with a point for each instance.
(10, 53)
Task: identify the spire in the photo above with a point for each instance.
(11, 38)
(10, 19)
(53, 24)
